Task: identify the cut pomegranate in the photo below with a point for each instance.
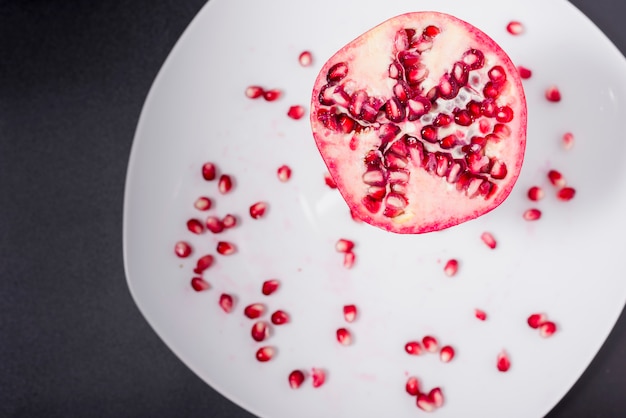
(254, 310)
(566, 193)
(284, 173)
(524, 72)
(349, 259)
(280, 317)
(480, 314)
(296, 378)
(258, 209)
(344, 245)
(265, 354)
(208, 171)
(430, 344)
(425, 402)
(199, 284)
(195, 226)
(489, 240)
(296, 112)
(203, 263)
(515, 28)
(421, 122)
(344, 337)
(229, 221)
(556, 178)
(318, 377)
(446, 354)
(305, 58)
(414, 348)
(214, 224)
(254, 92)
(567, 140)
(203, 203)
(532, 214)
(535, 193)
(226, 302)
(451, 267)
(272, 95)
(182, 249)
(260, 331)
(412, 386)
(226, 248)
(270, 286)
(437, 396)
(349, 313)
(547, 329)
(225, 184)
(503, 363)
(536, 320)
(553, 94)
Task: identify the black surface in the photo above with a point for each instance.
(73, 78)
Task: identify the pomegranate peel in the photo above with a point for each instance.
(421, 122)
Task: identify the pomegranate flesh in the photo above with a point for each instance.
(421, 122)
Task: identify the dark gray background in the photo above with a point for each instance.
(73, 78)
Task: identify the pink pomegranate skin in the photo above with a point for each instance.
(421, 122)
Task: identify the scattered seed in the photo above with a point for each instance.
(208, 171)
(280, 317)
(413, 348)
(349, 313)
(203, 203)
(430, 344)
(344, 245)
(182, 249)
(412, 386)
(425, 402)
(524, 72)
(556, 178)
(225, 184)
(437, 396)
(535, 193)
(566, 193)
(318, 377)
(305, 58)
(226, 248)
(489, 240)
(547, 329)
(270, 286)
(265, 354)
(254, 92)
(296, 378)
(451, 267)
(515, 28)
(272, 95)
(199, 284)
(553, 94)
(330, 182)
(214, 224)
(254, 310)
(284, 173)
(446, 354)
(536, 320)
(532, 214)
(260, 331)
(258, 209)
(203, 263)
(349, 259)
(296, 112)
(480, 314)
(344, 337)
(567, 140)
(195, 226)
(503, 363)
(229, 221)
(226, 302)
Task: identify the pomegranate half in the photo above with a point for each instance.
(421, 122)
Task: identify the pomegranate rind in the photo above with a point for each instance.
(432, 203)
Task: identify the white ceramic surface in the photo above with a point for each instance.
(568, 264)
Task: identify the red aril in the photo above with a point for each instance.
(182, 249)
(547, 329)
(208, 171)
(265, 354)
(344, 337)
(532, 214)
(430, 344)
(349, 313)
(524, 72)
(226, 248)
(425, 402)
(344, 245)
(283, 173)
(566, 193)
(272, 95)
(296, 378)
(254, 92)
(515, 28)
(437, 396)
(480, 314)
(254, 310)
(567, 140)
(195, 226)
(536, 320)
(330, 182)
(489, 240)
(553, 94)
(451, 267)
(203, 263)
(203, 203)
(421, 122)
(270, 286)
(535, 193)
(446, 354)
(214, 224)
(349, 259)
(318, 377)
(556, 178)
(412, 386)
(258, 209)
(225, 184)
(305, 58)
(226, 302)
(260, 331)
(503, 363)
(296, 112)
(413, 348)
(280, 317)
(229, 221)
(199, 284)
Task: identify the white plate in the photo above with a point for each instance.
(568, 264)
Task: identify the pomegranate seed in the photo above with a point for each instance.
(258, 209)
(451, 267)
(226, 248)
(226, 302)
(536, 320)
(330, 182)
(203, 203)
(225, 184)
(199, 284)
(566, 193)
(437, 396)
(556, 178)
(547, 329)
(414, 348)
(270, 286)
(260, 331)
(446, 354)
(553, 94)
(254, 310)
(480, 314)
(280, 317)
(425, 403)
(195, 226)
(535, 193)
(503, 362)
(348, 259)
(568, 140)
(431, 31)
(349, 313)
(182, 249)
(532, 214)
(214, 224)
(254, 92)
(203, 263)
(295, 112)
(344, 245)
(284, 173)
(272, 95)
(344, 337)
(524, 72)
(430, 343)
(296, 378)
(264, 354)
(229, 221)
(318, 376)
(515, 28)
(305, 58)
(489, 240)
(412, 386)
(208, 171)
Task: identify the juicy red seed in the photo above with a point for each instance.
(254, 92)
(214, 224)
(515, 28)
(296, 378)
(349, 258)
(503, 363)
(504, 114)
(295, 112)
(536, 320)
(270, 286)
(225, 184)
(488, 239)
(195, 226)
(305, 58)
(226, 248)
(343, 336)
(229, 221)
(556, 178)
(264, 354)
(260, 331)
(337, 72)
(318, 377)
(349, 313)
(547, 329)
(425, 403)
(182, 249)
(532, 214)
(568, 140)
(254, 310)
(566, 193)
(451, 267)
(199, 284)
(203, 203)
(258, 209)
(272, 95)
(446, 354)
(430, 344)
(284, 173)
(437, 396)
(330, 182)
(412, 386)
(553, 94)
(344, 245)
(535, 193)
(226, 302)
(431, 31)
(208, 171)
(280, 317)
(413, 348)
(203, 263)
(480, 314)
(524, 72)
